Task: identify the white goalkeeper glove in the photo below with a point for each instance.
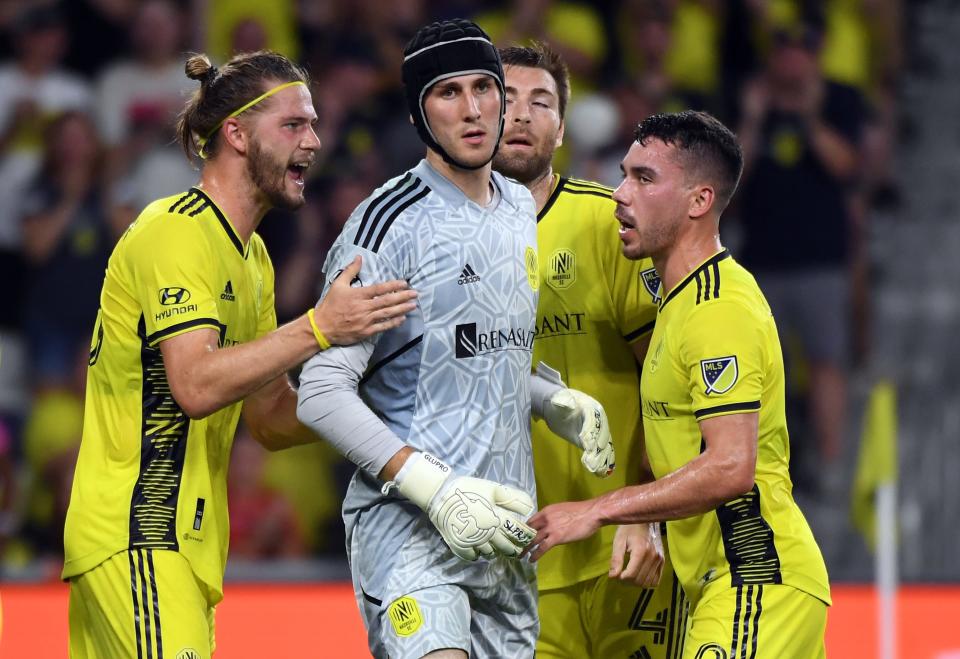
(577, 418)
(475, 517)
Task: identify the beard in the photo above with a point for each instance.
(651, 241)
(524, 170)
(270, 176)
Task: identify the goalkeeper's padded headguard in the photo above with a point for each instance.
(442, 50)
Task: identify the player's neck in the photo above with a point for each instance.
(542, 187)
(474, 183)
(686, 255)
(236, 196)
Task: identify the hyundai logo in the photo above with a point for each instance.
(174, 295)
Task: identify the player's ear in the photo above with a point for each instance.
(235, 135)
(560, 134)
(701, 201)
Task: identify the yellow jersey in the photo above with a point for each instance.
(147, 475)
(594, 303)
(715, 351)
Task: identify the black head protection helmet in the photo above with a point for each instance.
(447, 49)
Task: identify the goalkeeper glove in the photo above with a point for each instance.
(576, 417)
(475, 517)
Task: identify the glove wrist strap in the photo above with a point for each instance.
(421, 477)
(544, 383)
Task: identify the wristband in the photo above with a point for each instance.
(321, 339)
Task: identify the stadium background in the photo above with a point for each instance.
(88, 89)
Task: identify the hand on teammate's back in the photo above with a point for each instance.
(349, 314)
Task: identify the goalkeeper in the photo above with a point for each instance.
(435, 515)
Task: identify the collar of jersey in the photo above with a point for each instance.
(558, 184)
(225, 223)
(443, 186)
(716, 258)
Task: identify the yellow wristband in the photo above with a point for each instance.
(321, 339)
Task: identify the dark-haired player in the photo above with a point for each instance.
(713, 413)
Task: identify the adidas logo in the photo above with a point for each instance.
(468, 276)
(228, 292)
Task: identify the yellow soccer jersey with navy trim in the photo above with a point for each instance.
(147, 475)
(715, 351)
(594, 303)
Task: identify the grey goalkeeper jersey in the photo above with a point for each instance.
(453, 380)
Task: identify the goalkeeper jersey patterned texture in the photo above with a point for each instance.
(453, 380)
(715, 351)
(147, 475)
(593, 304)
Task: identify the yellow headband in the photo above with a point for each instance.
(202, 142)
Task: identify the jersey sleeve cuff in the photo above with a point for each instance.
(638, 333)
(729, 408)
(180, 328)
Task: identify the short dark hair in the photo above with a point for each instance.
(225, 90)
(704, 142)
(540, 56)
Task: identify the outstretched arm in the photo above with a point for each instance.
(205, 378)
(722, 472)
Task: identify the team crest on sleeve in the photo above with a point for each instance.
(651, 281)
(405, 616)
(533, 268)
(719, 374)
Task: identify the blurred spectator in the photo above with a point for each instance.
(66, 242)
(329, 203)
(262, 521)
(98, 32)
(800, 135)
(672, 51)
(389, 31)
(33, 89)
(137, 102)
(313, 478)
(573, 29)
(51, 440)
(222, 18)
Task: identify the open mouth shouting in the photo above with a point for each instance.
(626, 224)
(297, 169)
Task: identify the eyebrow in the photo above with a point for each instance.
(447, 84)
(533, 92)
(639, 170)
(302, 118)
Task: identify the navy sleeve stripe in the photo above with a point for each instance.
(173, 329)
(752, 406)
(637, 333)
